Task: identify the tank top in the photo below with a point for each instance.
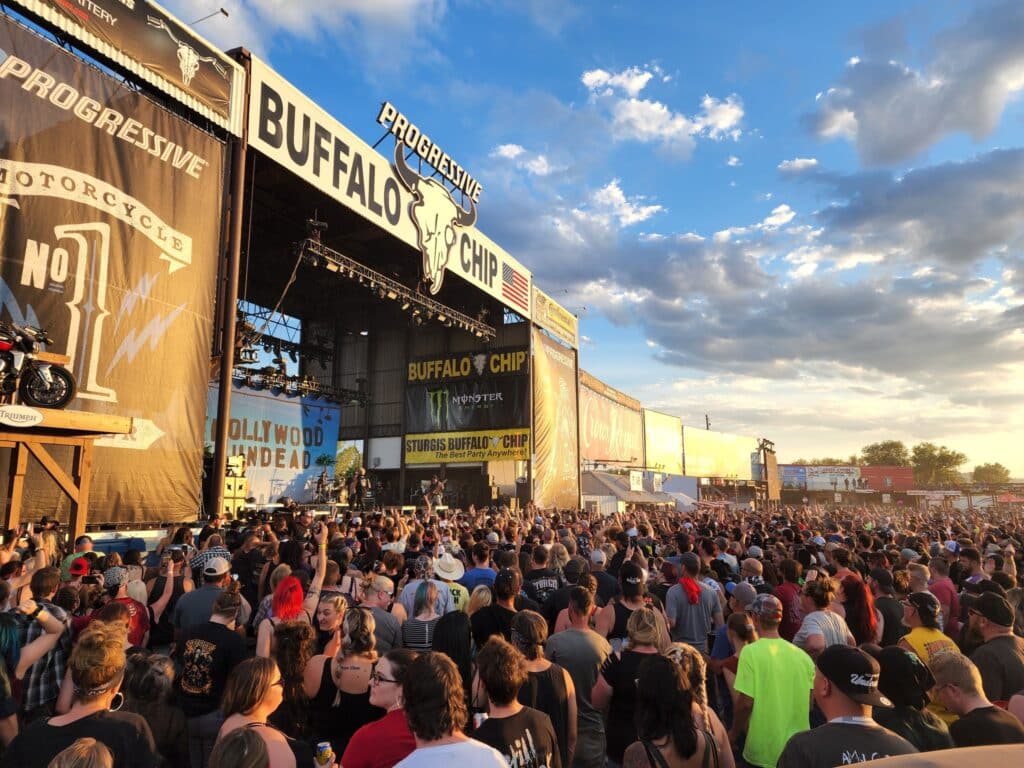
(335, 715)
(163, 632)
(545, 691)
(619, 631)
(303, 752)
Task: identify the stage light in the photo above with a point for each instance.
(392, 295)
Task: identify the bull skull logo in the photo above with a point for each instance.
(435, 215)
(188, 58)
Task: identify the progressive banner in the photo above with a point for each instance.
(110, 221)
(453, 447)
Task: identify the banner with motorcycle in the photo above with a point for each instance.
(556, 465)
(611, 424)
(110, 220)
(286, 441)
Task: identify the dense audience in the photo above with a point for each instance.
(805, 636)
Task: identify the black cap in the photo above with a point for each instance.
(854, 673)
(884, 579)
(994, 608)
(926, 604)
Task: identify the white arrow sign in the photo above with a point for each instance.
(144, 433)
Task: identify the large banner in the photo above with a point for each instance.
(794, 477)
(887, 479)
(282, 439)
(293, 131)
(453, 447)
(555, 319)
(145, 39)
(110, 218)
(663, 443)
(838, 478)
(556, 463)
(468, 404)
(719, 454)
(611, 424)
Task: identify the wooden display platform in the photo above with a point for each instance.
(45, 427)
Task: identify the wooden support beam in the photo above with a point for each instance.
(54, 469)
(81, 469)
(16, 486)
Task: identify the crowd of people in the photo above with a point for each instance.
(798, 638)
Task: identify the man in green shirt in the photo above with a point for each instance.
(773, 683)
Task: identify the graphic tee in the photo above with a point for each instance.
(526, 739)
(842, 744)
(208, 654)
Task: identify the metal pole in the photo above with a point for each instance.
(230, 308)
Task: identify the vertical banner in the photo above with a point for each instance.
(556, 465)
(283, 439)
(663, 443)
(110, 219)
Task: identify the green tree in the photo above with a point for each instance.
(888, 453)
(991, 473)
(935, 464)
(824, 461)
(348, 461)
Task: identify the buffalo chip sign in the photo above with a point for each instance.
(290, 129)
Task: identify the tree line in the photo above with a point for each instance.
(933, 464)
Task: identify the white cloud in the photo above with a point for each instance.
(648, 121)
(798, 164)
(969, 72)
(611, 202)
(781, 214)
(733, 161)
(507, 151)
(538, 166)
(720, 119)
(630, 81)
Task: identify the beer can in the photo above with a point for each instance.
(324, 754)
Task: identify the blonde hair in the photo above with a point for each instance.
(559, 556)
(646, 627)
(336, 600)
(279, 574)
(480, 598)
(951, 668)
(919, 572)
(137, 591)
(97, 661)
(83, 753)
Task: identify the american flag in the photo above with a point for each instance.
(515, 287)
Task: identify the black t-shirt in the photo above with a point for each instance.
(540, 583)
(987, 725)
(620, 672)
(842, 744)
(892, 617)
(920, 727)
(126, 735)
(209, 652)
(1001, 664)
(493, 620)
(526, 739)
(608, 587)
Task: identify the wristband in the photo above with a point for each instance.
(36, 612)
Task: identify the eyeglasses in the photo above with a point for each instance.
(377, 677)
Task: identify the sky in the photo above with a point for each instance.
(802, 219)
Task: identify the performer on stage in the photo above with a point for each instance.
(357, 490)
(434, 494)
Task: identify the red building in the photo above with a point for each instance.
(888, 479)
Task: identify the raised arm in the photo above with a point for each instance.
(313, 597)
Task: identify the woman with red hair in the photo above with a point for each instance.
(290, 604)
(864, 621)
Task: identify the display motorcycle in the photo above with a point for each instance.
(39, 384)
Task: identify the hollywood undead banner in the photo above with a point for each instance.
(556, 466)
(110, 216)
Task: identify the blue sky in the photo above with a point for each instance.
(804, 219)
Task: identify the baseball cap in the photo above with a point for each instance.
(48, 519)
(909, 554)
(952, 546)
(904, 679)
(994, 608)
(356, 520)
(493, 538)
(926, 603)
(744, 595)
(216, 566)
(598, 557)
(79, 567)
(853, 672)
(767, 606)
(755, 552)
(818, 540)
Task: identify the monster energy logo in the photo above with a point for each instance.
(438, 399)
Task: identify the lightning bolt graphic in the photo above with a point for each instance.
(135, 296)
(150, 334)
(10, 304)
